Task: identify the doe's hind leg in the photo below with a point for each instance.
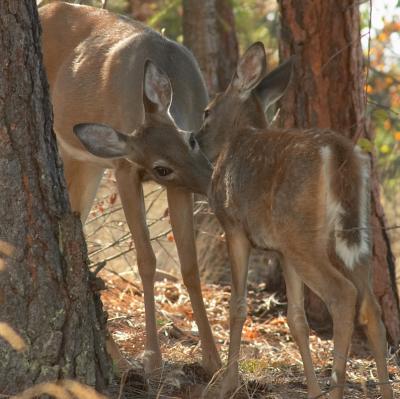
(83, 179)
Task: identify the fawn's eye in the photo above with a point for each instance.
(206, 113)
(162, 171)
(192, 142)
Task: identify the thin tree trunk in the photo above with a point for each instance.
(45, 283)
(141, 10)
(200, 35)
(328, 91)
(209, 32)
(228, 47)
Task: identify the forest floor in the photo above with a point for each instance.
(270, 364)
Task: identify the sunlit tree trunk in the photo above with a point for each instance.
(45, 287)
(328, 91)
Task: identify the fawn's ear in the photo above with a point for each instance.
(101, 140)
(157, 89)
(250, 70)
(274, 85)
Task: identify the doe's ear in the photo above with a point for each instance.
(101, 140)
(250, 70)
(156, 88)
(274, 85)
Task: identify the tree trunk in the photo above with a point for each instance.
(209, 31)
(200, 35)
(228, 47)
(45, 292)
(141, 10)
(328, 91)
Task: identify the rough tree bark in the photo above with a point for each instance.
(328, 91)
(45, 289)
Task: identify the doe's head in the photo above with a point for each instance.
(244, 102)
(169, 156)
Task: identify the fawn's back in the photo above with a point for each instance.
(303, 193)
(303, 186)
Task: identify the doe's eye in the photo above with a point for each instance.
(162, 171)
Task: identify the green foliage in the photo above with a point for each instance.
(257, 21)
(383, 91)
(117, 6)
(167, 18)
(365, 144)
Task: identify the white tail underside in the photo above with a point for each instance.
(350, 254)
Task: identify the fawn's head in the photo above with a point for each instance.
(170, 156)
(245, 100)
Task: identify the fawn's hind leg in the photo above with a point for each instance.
(298, 325)
(339, 295)
(370, 318)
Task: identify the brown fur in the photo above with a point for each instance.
(96, 63)
(304, 194)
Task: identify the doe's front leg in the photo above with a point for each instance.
(131, 192)
(239, 251)
(180, 203)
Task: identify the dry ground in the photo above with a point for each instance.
(270, 363)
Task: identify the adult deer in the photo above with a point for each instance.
(304, 194)
(95, 62)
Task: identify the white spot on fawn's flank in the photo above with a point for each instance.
(349, 254)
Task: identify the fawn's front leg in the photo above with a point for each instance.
(239, 250)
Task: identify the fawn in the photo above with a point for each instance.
(304, 194)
